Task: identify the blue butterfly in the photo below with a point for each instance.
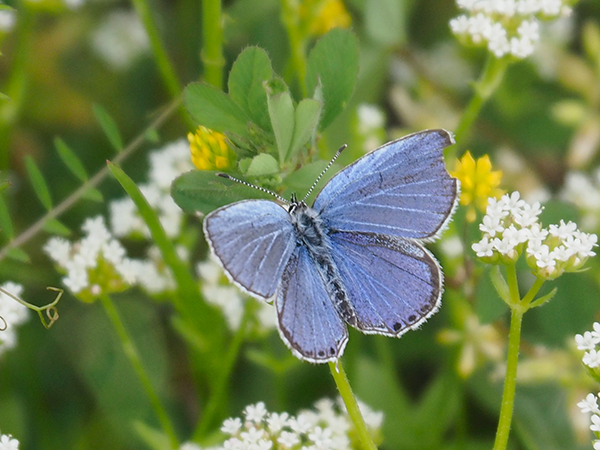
(355, 257)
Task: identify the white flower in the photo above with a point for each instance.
(491, 225)
(596, 445)
(564, 230)
(321, 438)
(596, 332)
(277, 422)
(529, 29)
(7, 442)
(120, 39)
(589, 404)
(252, 435)
(77, 278)
(300, 424)
(586, 342)
(460, 24)
(483, 248)
(231, 426)
(58, 249)
(595, 426)
(190, 446)
(255, 413)
(479, 27)
(592, 359)
(288, 439)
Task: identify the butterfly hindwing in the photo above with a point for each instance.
(253, 239)
(393, 284)
(308, 322)
(400, 189)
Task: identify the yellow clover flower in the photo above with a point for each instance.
(478, 182)
(328, 14)
(210, 150)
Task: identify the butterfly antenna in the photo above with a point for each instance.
(245, 183)
(340, 150)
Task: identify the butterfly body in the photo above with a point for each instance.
(355, 257)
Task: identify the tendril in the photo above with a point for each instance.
(50, 309)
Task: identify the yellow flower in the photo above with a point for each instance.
(478, 182)
(210, 150)
(328, 14)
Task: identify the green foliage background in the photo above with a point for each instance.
(72, 388)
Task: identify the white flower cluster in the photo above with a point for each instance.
(120, 39)
(165, 165)
(511, 225)
(12, 314)
(7, 442)
(588, 342)
(590, 405)
(584, 191)
(506, 27)
(228, 298)
(327, 427)
(97, 263)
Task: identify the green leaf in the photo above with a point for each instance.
(281, 111)
(543, 299)
(334, 63)
(18, 255)
(94, 195)
(39, 184)
(152, 136)
(70, 159)
(109, 126)
(6, 225)
(202, 191)
(263, 164)
(385, 21)
(250, 71)
(500, 284)
(214, 109)
(307, 116)
(3, 96)
(53, 226)
(302, 179)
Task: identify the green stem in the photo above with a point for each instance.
(212, 45)
(345, 390)
(510, 380)
(68, 202)
(488, 82)
(165, 67)
(290, 17)
(532, 292)
(135, 360)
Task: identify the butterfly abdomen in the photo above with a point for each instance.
(312, 234)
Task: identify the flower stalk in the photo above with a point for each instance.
(345, 390)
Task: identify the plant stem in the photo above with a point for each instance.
(161, 57)
(510, 380)
(134, 358)
(345, 390)
(212, 43)
(68, 202)
(290, 17)
(488, 82)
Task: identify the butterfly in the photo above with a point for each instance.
(356, 257)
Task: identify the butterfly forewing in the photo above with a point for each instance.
(253, 240)
(308, 321)
(401, 189)
(393, 284)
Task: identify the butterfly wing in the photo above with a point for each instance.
(400, 189)
(253, 240)
(393, 284)
(308, 322)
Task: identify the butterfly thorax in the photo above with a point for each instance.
(312, 233)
